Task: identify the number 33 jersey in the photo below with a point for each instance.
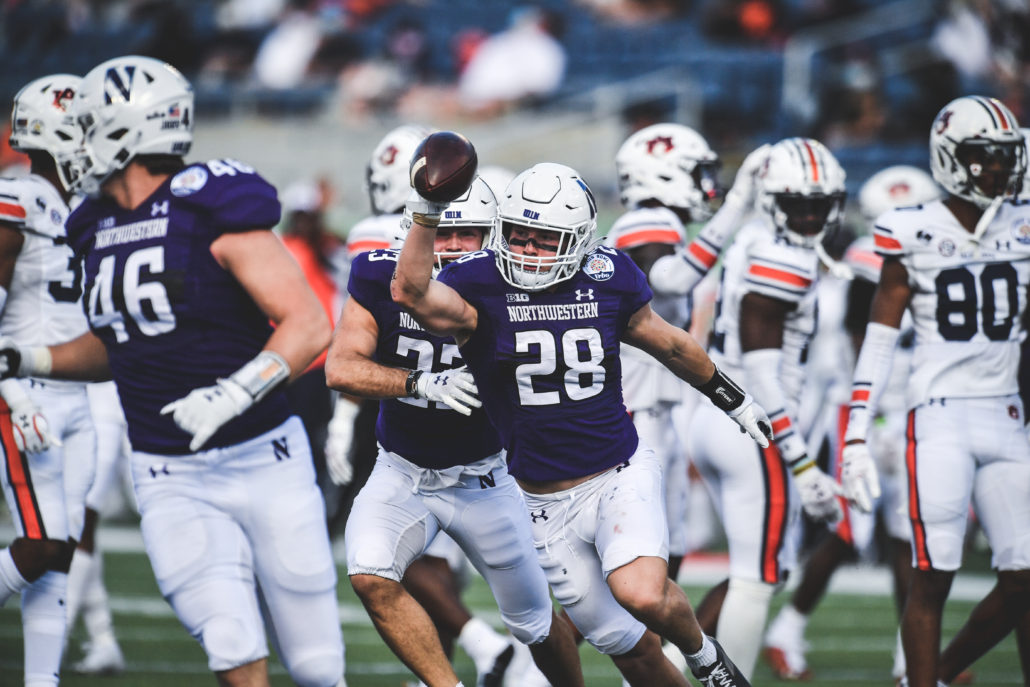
(171, 318)
(967, 298)
(43, 302)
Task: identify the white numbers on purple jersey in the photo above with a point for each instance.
(546, 345)
(152, 321)
(227, 167)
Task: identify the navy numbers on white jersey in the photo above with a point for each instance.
(959, 301)
(68, 289)
(145, 302)
(582, 353)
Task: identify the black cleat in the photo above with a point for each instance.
(495, 678)
(722, 673)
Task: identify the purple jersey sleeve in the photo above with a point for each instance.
(547, 362)
(233, 195)
(429, 434)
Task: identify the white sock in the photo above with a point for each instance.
(742, 620)
(78, 575)
(788, 624)
(11, 581)
(898, 671)
(482, 643)
(705, 656)
(96, 608)
(43, 618)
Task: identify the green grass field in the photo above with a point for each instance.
(852, 637)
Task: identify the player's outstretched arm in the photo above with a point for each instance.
(84, 359)
(859, 479)
(437, 307)
(683, 355)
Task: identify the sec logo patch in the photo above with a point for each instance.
(599, 267)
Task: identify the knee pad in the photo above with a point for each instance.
(616, 638)
(531, 627)
(229, 643)
(322, 669)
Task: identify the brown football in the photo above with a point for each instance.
(443, 166)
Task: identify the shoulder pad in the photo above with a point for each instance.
(780, 271)
(32, 204)
(646, 225)
(235, 196)
(894, 231)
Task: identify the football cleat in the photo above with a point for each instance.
(103, 657)
(721, 673)
(787, 665)
(495, 676)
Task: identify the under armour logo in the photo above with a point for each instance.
(624, 465)
(1002, 245)
(542, 515)
(159, 208)
(440, 379)
(162, 470)
(588, 294)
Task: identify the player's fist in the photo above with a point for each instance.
(819, 494)
(443, 166)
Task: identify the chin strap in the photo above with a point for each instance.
(986, 218)
(837, 269)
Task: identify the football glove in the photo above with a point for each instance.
(422, 211)
(23, 361)
(339, 440)
(30, 427)
(819, 494)
(752, 420)
(203, 411)
(744, 184)
(455, 387)
(859, 480)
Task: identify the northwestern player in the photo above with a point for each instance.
(765, 318)
(44, 482)
(437, 469)
(539, 319)
(182, 277)
(961, 266)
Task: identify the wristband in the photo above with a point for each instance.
(411, 383)
(262, 374)
(722, 391)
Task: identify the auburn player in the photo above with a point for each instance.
(45, 482)
(961, 266)
(182, 277)
(538, 319)
(765, 318)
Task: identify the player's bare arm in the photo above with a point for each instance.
(892, 294)
(302, 327)
(350, 366)
(437, 307)
(672, 346)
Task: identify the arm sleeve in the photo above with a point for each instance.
(762, 368)
(872, 372)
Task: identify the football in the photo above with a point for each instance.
(443, 166)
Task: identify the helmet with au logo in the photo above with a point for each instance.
(801, 188)
(893, 187)
(42, 119)
(971, 139)
(671, 164)
(131, 106)
(551, 197)
(386, 175)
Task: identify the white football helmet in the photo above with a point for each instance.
(42, 119)
(671, 164)
(131, 106)
(386, 175)
(545, 196)
(476, 208)
(968, 133)
(895, 187)
(801, 187)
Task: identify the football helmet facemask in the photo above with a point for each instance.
(386, 174)
(671, 164)
(801, 188)
(42, 119)
(977, 150)
(131, 106)
(476, 209)
(551, 197)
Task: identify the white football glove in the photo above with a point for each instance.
(424, 212)
(339, 440)
(455, 387)
(819, 494)
(30, 427)
(744, 184)
(203, 411)
(752, 420)
(859, 480)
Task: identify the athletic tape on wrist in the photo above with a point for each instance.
(267, 370)
(722, 391)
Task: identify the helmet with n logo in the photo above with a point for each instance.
(977, 150)
(131, 106)
(801, 187)
(42, 119)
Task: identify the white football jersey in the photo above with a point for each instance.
(647, 383)
(759, 262)
(967, 299)
(371, 233)
(44, 300)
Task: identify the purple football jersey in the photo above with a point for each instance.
(171, 318)
(547, 362)
(429, 434)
